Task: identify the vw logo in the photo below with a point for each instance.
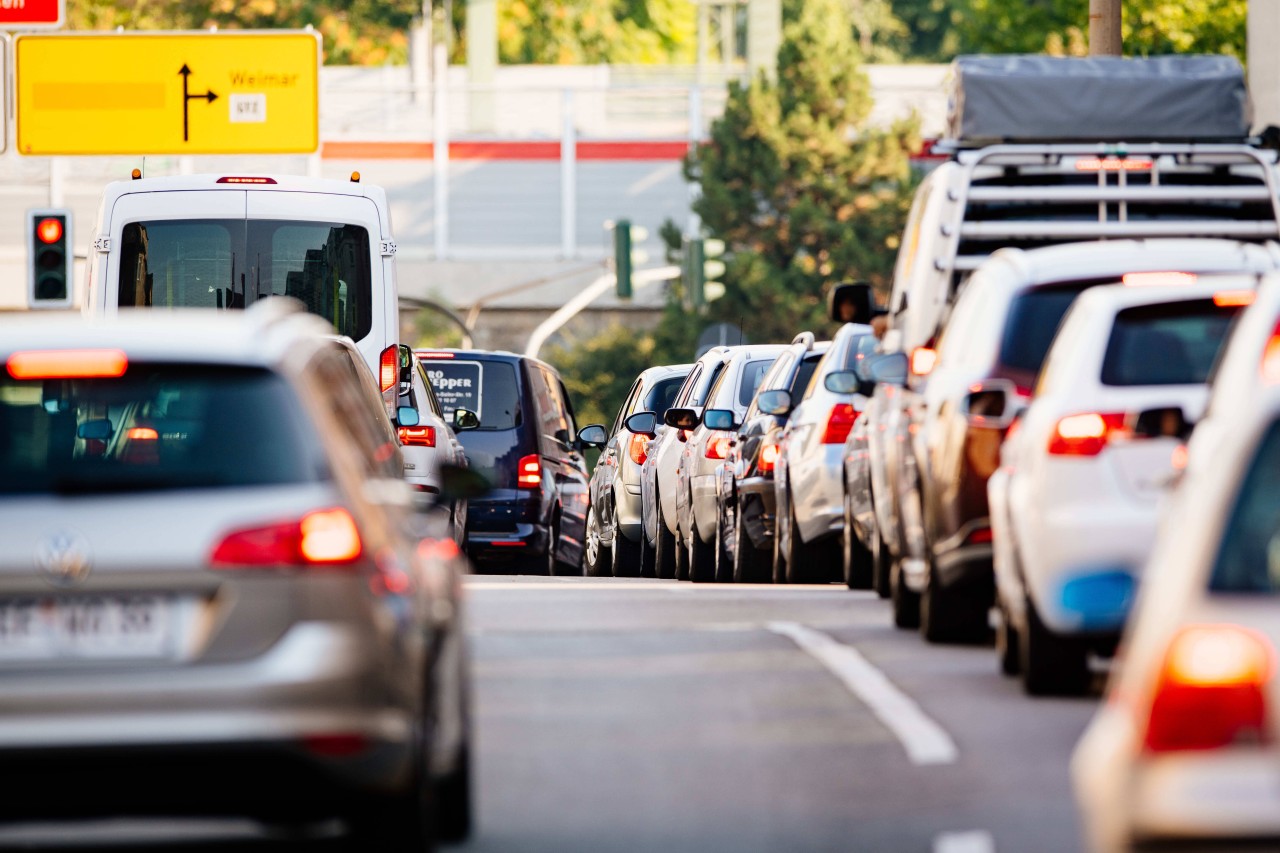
(63, 558)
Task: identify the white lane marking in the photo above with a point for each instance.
(924, 740)
(973, 841)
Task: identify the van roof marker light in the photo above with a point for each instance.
(1233, 298)
(1158, 279)
(68, 364)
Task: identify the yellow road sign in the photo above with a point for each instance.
(231, 92)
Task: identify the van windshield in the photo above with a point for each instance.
(229, 263)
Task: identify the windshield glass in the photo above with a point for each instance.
(228, 263)
(487, 388)
(1175, 343)
(157, 427)
(662, 395)
(1034, 317)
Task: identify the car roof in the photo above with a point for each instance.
(1112, 298)
(650, 375)
(257, 337)
(424, 353)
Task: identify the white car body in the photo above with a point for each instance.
(1132, 781)
(430, 444)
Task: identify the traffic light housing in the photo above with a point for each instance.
(702, 269)
(49, 259)
(622, 257)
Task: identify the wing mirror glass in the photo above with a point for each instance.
(775, 402)
(681, 418)
(642, 423)
(465, 419)
(407, 416)
(842, 382)
(593, 435)
(889, 368)
(99, 429)
(719, 419)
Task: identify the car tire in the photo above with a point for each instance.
(906, 603)
(555, 566)
(664, 550)
(1051, 665)
(856, 559)
(881, 563)
(951, 615)
(453, 801)
(779, 570)
(681, 554)
(648, 569)
(1007, 642)
(750, 564)
(719, 546)
(702, 557)
(398, 822)
(804, 563)
(596, 559)
(626, 556)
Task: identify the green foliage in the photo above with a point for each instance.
(1150, 27)
(931, 28)
(572, 32)
(598, 371)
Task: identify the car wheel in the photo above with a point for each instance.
(952, 615)
(1007, 644)
(556, 566)
(702, 559)
(1051, 665)
(400, 822)
(881, 565)
(724, 559)
(750, 564)
(595, 557)
(626, 556)
(856, 559)
(664, 546)
(779, 558)
(648, 568)
(906, 604)
(681, 553)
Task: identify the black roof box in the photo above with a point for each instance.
(1097, 98)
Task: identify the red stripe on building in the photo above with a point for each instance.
(470, 149)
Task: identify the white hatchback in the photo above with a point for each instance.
(1088, 462)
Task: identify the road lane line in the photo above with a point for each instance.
(973, 841)
(924, 740)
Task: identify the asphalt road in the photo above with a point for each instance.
(621, 715)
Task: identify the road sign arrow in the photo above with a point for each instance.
(209, 96)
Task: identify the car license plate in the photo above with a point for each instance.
(86, 626)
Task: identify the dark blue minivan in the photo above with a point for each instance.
(527, 446)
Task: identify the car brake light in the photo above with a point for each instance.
(142, 434)
(529, 472)
(1158, 279)
(1113, 164)
(1212, 690)
(922, 360)
(245, 180)
(417, 436)
(1234, 298)
(768, 457)
(979, 536)
(389, 368)
(717, 447)
(839, 422)
(1085, 434)
(426, 354)
(68, 364)
(323, 537)
(638, 448)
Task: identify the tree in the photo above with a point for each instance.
(803, 190)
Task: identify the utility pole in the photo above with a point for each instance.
(1104, 28)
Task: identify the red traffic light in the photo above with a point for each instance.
(49, 230)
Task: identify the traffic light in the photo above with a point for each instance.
(702, 269)
(49, 260)
(624, 256)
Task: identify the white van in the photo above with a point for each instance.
(226, 241)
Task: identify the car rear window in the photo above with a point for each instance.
(1249, 560)
(488, 388)
(1174, 343)
(807, 366)
(662, 395)
(230, 263)
(1034, 317)
(752, 374)
(159, 426)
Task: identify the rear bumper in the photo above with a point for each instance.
(506, 527)
(629, 509)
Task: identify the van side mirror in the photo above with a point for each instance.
(681, 418)
(719, 419)
(465, 419)
(642, 423)
(851, 302)
(407, 416)
(1165, 422)
(592, 435)
(776, 402)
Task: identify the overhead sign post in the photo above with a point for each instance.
(32, 14)
(167, 93)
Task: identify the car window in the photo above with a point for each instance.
(808, 365)
(230, 263)
(752, 375)
(715, 396)
(159, 426)
(358, 412)
(690, 383)
(555, 424)
(701, 394)
(627, 407)
(488, 388)
(1249, 560)
(862, 346)
(1174, 343)
(776, 377)
(1032, 323)
(662, 396)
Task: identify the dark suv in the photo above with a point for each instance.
(527, 446)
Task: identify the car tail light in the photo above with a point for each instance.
(337, 745)
(1113, 164)
(923, 360)
(417, 436)
(389, 368)
(1212, 690)
(768, 457)
(979, 536)
(1234, 298)
(1158, 279)
(68, 364)
(839, 422)
(239, 179)
(1270, 357)
(638, 448)
(529, 472)
(142, 434)
(1085, 434)
(717, 447)
(323, 537)
(430, 354)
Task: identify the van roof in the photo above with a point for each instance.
(221, 181)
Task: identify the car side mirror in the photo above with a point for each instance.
(719, 419)
(776, 402)
(642, 423)
(592, 435)
(888, 368)
(407, 416)
(99, 429)
(851, 302)
(460, 483)
(842, 382)
(1166, 422)
(465, 419)
(681, 418)
(993, 404)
